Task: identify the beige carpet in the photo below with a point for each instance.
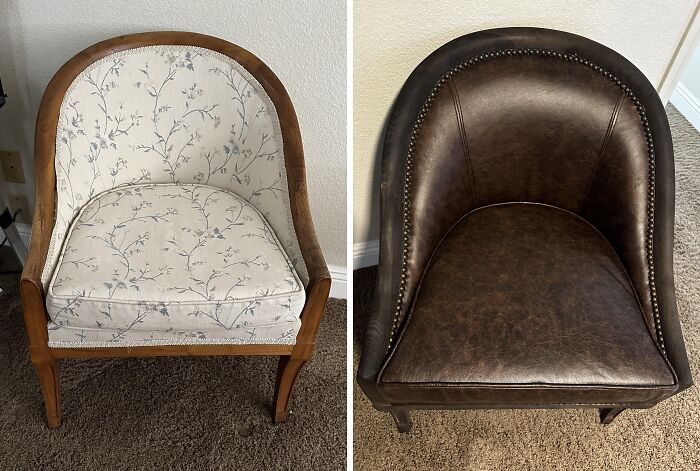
(664, 438)
(171, 413)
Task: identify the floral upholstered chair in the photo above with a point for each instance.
(172, 216)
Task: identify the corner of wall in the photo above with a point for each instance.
(687, 103)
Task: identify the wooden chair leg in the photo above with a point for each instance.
(608, 415)
(48, 373)
(287, 372)
(402, 418)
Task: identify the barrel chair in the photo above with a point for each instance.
(171, 215)
(527, 201)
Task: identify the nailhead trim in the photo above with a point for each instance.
(528, 52)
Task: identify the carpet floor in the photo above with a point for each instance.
(665, 437)
(205, 413)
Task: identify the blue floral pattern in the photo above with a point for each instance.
(185, 259)
(197, 120)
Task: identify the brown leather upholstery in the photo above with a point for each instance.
(484, 301)
(534, 296)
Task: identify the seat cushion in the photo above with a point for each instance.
(172, 263)
(526, 304)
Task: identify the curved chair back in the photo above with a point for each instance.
(528, 115)
(172, 107)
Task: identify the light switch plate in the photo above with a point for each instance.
(21, 203)
(12, 166)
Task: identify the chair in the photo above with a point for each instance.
(171, 215)
(527, 202)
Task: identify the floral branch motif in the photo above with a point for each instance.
(134, 246)
(174, 156)
(72, 304)
(216, 317)
(237, 148)
(265, 234)
(121, 332)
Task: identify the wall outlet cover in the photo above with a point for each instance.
(12, 166)
(20, 203)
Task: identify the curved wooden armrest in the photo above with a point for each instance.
(31, 287)
(45, 190)
(319, 277)
(42, 226)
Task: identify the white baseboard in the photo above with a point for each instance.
(25, 232)
(365, 254)
(687, 103)
(339, 286)
(18, 235)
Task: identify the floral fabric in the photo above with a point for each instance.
(76, 337)
(164, 263)
(170, 114)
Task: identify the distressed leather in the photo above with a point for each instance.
(529, 296)
(566, 137)
(554, 134)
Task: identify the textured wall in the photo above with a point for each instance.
(389, 42)
(303, 41)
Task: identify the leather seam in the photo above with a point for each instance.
(463, 136)
(603, 148)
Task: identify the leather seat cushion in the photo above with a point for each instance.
(525, 304)
(173, 263)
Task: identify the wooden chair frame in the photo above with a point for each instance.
(45, 358)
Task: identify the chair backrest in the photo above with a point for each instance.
(173, 107)
(528, 115)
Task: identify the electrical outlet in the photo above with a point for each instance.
(20, 203)
(12, 166)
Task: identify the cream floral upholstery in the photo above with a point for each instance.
(173, 220)
(179, 261)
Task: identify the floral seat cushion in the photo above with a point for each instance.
(171, 264)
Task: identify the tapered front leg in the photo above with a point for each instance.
(47, 370)
(402, 418)
(287, 372)
(608, 415)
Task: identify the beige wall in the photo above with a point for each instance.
(392, 37)
(303, 41)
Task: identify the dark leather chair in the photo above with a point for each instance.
(527, 202)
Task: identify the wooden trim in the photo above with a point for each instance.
(172, 350)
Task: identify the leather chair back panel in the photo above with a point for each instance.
(442, 189)
(531, 129)
(616, 203)
(534, 128)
